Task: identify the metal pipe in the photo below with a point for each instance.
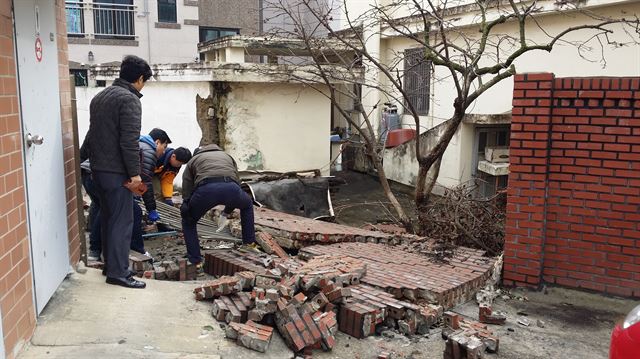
(146, 14)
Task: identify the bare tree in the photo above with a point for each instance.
(333, 68)
(474, 60)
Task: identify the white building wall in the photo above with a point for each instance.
(278, 127)
(170, 106)
(563, 61)
(156, 45)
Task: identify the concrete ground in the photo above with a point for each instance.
(87, 318)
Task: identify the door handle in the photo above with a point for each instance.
(34, 140)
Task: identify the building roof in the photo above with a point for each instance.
(279, 46)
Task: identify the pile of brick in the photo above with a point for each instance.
(228, 262)
(144, 266)
(351, 287)
(410, 277)
(291, 231)
(251, 335)
(369, 307)
(466, 339)
(302, 298)
(306, 326)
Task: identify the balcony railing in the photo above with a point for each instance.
(100, 19)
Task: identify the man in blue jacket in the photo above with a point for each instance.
(114, 129)
(152, 147)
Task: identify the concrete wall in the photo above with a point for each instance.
(563, 60)
(153, 42)
(275, 21)
(279, 127)
(237, 14)
(400, 162)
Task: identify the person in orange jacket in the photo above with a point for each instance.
(167, 168)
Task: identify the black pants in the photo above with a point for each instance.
(116, 214)
(95, 243)
(208, 196)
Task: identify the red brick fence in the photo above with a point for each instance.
(574, 185)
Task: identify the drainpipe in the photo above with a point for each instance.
(260, 16)
(261, 23)
(146, 13)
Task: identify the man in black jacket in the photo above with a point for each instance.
(114, 130)
(211, 179)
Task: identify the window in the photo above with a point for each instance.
(416, 79)
(167, 11)
(75, 18)
(80, 77)
(114, 19)
(212, 33)
(489, 185)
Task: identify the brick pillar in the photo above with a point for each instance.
(529, 156)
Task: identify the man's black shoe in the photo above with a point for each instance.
(127, 282)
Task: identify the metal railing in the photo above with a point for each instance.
(107, 20)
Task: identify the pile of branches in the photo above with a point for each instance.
(461, 218)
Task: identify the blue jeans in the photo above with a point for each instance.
(95, 242)
(137, 243)
(208, 196)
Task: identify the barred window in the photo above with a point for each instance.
(167, 11)
(417, 79)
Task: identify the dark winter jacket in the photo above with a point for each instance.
(148, 161)
(114, 129)
(210, 161)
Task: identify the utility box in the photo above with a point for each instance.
(496, 154)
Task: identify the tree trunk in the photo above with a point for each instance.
(382, 176)
(423, 189)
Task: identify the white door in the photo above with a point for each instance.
(37, 58)
(2, 355)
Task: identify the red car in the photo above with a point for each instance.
(625, 338)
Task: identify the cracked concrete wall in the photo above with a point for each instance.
(278, 127)
(400, 162)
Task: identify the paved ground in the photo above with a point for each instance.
(87, 318)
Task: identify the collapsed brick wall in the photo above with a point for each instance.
(573, 212)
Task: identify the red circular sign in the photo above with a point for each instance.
(38, 49)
